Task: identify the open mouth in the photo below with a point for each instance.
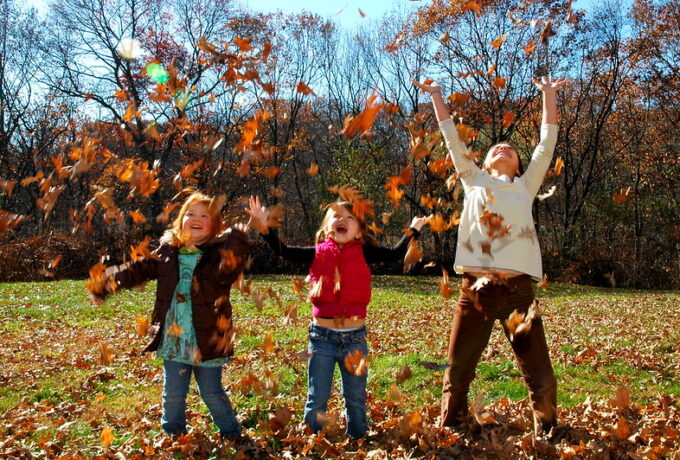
(196, 227)
(341, 229)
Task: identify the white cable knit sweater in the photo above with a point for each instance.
(484, 242)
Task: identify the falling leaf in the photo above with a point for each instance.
(243, 44)
(304, 89)
(137, 217)
(394, 394)
(375, 229)
(559, 165)
(543, 284)
(547, 32)
(498, 42)
(498, 83)
(361, 13)
(483, 417)
(472, 6)
(444, 287)
(438, 223)
(356, 363)
(362, 122)
(7, 186)
(413, 255)
(622, 399)
(445, 37)
(508, 119)
(105, 354)
(621, 196)
(313, 169)
(529, 47)
(142, 325)
(459, 98)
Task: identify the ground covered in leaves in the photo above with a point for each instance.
(74, 383)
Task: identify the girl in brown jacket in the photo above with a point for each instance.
(191, 330)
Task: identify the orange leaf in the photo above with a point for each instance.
(375, 229)
(529, 47)
(620, 196)
(243, 44)
(508, 119)
(175, 329)
(444, 287)
(428, 201)
(413, 255)
(497, 43)
(137, 217)
(356, 363)
(363, 121)
(499, 83)
(459, 98)
(107, 437)
(270, 171)
(466, 133)
(304, 89)
(142, 251)
(268, 343)
(438, 223)
(472, 6)
(313, 169)
(7, 186)
(543, 284)
(142, 325)
(105, 354)
(559, 165)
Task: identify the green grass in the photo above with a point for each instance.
(51, 337)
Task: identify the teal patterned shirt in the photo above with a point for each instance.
(179, 336)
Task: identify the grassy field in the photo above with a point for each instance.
(58, 396)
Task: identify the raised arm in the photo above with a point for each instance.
(458, 151)
(259, 217)
(543, 153)
(377, 254)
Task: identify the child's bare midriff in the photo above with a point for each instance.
(340, 323)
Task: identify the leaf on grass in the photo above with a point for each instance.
(105, 354)
(622, 399)
(394, 394)
(403, 374)
(268, 345)
(107, 437)
(483, 417)
(356, 363)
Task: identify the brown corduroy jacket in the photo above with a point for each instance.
(218, 267)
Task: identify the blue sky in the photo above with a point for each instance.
(344, 12)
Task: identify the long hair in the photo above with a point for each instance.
(322, 234)
(520, 166)
(175, 236)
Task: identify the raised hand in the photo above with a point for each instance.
(419, 222)
(433, 87)
(258, 214)
(548, 84)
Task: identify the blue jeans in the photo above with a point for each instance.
(330, 348)
(176, 378)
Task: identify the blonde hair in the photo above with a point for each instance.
(176, 236)
(322, 234)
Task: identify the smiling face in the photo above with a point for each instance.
(503, 159)
(197, 224)
(341, 224)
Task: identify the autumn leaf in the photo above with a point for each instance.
(137, 217)
(559, 165)
(304, 89)
(175, 329)
(466, 133)
(459, 98)
(107, 437)
(142, 251)
(362, 122)
(243, 44)
(498, 42)
(413, 255)
(621, 196)
(530, 47)
(361, 13)
(438, 223)
(622, 399)
(444, 287)
(547, 32)
(403, 374)
(472, 6)
(356, 363)
(543, 284)
(313, 169)
(142, 325)
(105, 354)
(7, 186)
(445, 37)
(499, 83)
(508, 119)
(8, 220)
(483, 417)
(268, 343)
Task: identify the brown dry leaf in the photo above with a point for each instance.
(298, 285)
(622, 430)
(483, 417)
(105, 354)
(107, 437)
(268, 343)
(444, 287)
(375, 229)
(313, 169)
(529, 47)
(445, 37)
(622, 399)
(438, 223)
(472, 6)
(459, 98)
(243, 44)
(280, 418)
(8, 220)
(543, 284)
(363, 121)
(499, 83)
(356, 363)
(7, 186)
(394, 394)
(142, 251)
(466, 133)
(361, 13)
(547, 32)
(403, 374)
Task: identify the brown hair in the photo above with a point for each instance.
(363, 227)
(175, 234)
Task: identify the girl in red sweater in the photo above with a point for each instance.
(340, 290)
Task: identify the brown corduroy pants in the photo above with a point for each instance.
(472, 324)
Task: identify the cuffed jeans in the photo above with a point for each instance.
(470, 334)
(329, 348)
(176, 379)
